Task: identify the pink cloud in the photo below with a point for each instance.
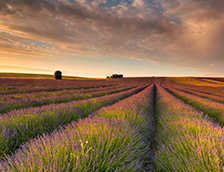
(180, 33)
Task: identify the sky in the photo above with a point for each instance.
(96, 38)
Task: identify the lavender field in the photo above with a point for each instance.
(130, 124)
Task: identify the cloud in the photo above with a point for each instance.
(199, 44)
(174, 32)
(23, 68)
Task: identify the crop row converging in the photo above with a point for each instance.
(158, 124)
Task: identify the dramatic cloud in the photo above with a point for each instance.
(23, 68)
(174, 32)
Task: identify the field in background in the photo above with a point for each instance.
(129, 124)
(37, 76)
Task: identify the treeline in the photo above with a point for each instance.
(115, 76)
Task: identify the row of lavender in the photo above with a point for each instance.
(116, 138)
(119, 138)
(18, 96)
(218, 97)
(12, 86)
(31, 100)
(17, 127)
(210, 105)
(24, 100)
(206, 90)
(187, 139)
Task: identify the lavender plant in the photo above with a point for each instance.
(20, 126)
(215, 97)
(187, 139)
(92, 144)
(112, 140)
(32, 101)
(209, 107)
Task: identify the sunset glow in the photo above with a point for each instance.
(95, 38)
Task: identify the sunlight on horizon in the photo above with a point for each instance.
(98, 38)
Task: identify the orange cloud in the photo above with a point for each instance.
(175, 32)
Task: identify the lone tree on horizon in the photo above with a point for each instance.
(57, 74)
(115, 76)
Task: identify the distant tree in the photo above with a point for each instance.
(115, 76)
(57, 74)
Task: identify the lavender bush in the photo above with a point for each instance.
(111, 140)
(187, 140)
(20, 126)
(32, 101)
(209, 107)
